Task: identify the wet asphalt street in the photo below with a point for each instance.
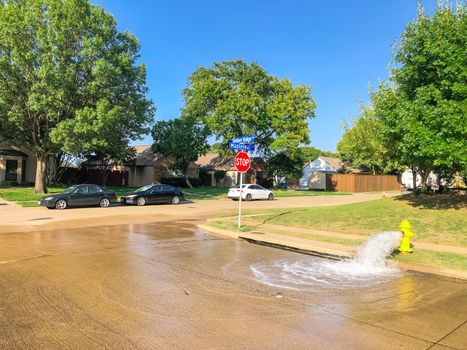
(169, 286)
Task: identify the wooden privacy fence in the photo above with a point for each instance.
(362, 183)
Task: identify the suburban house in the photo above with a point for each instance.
(314, 173)
(17, 165)
(149, 167)
(213, 163)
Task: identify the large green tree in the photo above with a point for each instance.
(422, 109)
(183, 140)
(69, 79)
(283, 165)
(234, 98)
(310, 153)
(361, 143)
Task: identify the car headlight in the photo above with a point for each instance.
(131, 196)
(48, 198)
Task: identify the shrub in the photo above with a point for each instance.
(266, 183)
(219, 175)
(180, 181)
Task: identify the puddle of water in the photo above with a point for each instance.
(366, 269)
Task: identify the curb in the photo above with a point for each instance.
(333, 254)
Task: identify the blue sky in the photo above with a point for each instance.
(338, 47)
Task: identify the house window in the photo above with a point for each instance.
(11, 170)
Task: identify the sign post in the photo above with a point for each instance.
(242, 163)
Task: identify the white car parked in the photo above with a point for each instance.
(250, 192)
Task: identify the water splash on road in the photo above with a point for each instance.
(366, 269)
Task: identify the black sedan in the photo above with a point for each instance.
(151, 194)
(79, 196)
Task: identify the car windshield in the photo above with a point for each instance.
(238, 186)
(144, 188)
(70, 189)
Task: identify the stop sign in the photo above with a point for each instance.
(242, 162)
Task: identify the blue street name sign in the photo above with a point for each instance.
(241, 147)
(244, 139)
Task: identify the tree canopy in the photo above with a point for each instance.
(70, 79)
(180, 139)
(361, 144)
(233, 98)
(417, 119)
(309, 153)
(285, 165)
(422, 109)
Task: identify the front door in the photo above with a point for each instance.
(11, 170)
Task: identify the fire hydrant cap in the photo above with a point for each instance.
(405, 224)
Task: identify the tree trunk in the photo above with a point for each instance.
(105, 175)
(424, 173)
(414, 181)
(40, 185)
(187, 180)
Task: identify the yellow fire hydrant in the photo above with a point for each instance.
(406, 230)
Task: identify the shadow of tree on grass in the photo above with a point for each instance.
(436, 201)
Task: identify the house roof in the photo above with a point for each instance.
(336, 163)
(12, 152)
(213, 161)
(144, 156)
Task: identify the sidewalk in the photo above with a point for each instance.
(8, 205)
(262, 235)
(261, 228)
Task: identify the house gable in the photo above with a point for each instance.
(320, 164)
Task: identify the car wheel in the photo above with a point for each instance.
(104, 203)
(248, 197)
(141, 201)
(175, 200)
(61, 204)
(270, 197)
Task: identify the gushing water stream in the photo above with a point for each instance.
(366, 269)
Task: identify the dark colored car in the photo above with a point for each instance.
(79, 196)
(151, 194)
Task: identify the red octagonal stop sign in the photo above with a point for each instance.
(242, 162)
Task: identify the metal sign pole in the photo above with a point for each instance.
(240, 202)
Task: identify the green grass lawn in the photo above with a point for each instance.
(15, 194)
(232, 226)
(208, 192)
(441, 220)
(205, 192)
(438, 259)
(25, 196)
(420, 256)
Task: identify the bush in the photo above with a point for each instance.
(219, 175)
(266, 183)
(180, 181)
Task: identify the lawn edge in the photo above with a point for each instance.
(317, 249)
